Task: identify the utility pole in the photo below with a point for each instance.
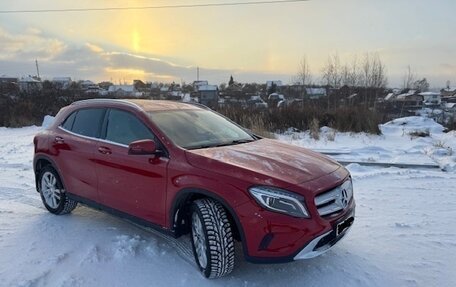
(197, 73)
(37, 69)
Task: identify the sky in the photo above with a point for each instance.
(253, 43)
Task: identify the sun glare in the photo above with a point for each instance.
(136, 40)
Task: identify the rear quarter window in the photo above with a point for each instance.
(68, 123)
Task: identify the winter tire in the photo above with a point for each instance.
(52, 192)
(212, 238)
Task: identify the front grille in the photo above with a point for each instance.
(335, 199)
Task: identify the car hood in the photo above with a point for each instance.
(264, 161)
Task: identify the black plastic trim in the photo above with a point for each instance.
(267, 239)
(47, 158)
(118, 213)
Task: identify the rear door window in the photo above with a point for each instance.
(124, 128)
(88, 122)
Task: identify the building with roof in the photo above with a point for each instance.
(431, 98)
(120, 91)
(4, 79)
(448, 92)
(410, 100)
(197, 84)
(61, 82)
(29, 84)
(315, 93)
(208, 95)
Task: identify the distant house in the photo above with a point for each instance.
(8, 79)
(295, 91)
(315, 93)
(410, 100)
(208, 95)
(87, 84)
(448, 92)
(449, 107)
(197, 84)
(29, 84)
(390, 97)
(431, 98)
(174, 96)
(62, 82)
(120, 91)
(8, 84)
(164, 91)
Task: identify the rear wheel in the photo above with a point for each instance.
(212, 238)
(53, 194)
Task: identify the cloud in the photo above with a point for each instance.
(94, 48)
(57, 57)
(29, 45)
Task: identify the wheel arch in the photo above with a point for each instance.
(180, 208)
(41, 161)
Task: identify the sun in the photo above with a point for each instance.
(136, 38)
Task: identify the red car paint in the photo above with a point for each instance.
(152, 189)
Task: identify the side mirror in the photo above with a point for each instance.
(142, 147)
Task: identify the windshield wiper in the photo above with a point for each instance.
(201, 146)
(235, 142)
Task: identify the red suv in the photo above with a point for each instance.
(182, 168)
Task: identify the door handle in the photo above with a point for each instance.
(104, 150)
(59, 140)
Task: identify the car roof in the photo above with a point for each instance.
(145, 105)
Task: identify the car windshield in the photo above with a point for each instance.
(193, 129)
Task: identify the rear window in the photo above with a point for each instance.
(87, 122)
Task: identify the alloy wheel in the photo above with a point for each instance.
(51, 193)
(199, 240)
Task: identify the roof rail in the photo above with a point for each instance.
(199, 105)
(106, 101)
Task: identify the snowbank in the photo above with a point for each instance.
(397, 144)
(408, 125)
(47, 121)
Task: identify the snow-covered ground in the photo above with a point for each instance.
(398, 143)
(404, 233)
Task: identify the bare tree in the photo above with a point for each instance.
(332, 72)
(373, 76)
(351, 74)
(421, 85)
(366, 71)
(304, 75)
(409, 78)
(378, 73)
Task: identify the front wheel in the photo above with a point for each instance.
(52, 192)
(212, 238)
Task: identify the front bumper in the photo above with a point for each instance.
(326, 241)
(276, 238)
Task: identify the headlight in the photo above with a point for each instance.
(279, 200)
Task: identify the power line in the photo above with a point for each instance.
(151, 7)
